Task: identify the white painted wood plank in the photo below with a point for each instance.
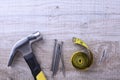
(56, 7)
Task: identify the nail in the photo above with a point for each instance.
(53, 57)
(57, 60)
(62, 59)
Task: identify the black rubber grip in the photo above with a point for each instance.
(33, 64)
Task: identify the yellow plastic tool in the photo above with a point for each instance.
(81, 60)
(41, 76)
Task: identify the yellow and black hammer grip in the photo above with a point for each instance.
(34, 67)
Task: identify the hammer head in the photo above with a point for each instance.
(24, 45)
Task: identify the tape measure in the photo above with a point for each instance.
(81, 60)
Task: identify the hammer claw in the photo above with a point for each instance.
(13, 53)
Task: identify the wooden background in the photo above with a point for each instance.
(97, 22)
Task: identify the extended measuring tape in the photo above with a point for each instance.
(81, 60)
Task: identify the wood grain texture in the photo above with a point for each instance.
(97, 22)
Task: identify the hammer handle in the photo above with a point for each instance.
(34, 67)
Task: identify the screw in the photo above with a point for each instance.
(103, 56)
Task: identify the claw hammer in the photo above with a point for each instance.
(24, 46)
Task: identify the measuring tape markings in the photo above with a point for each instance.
(81, 60)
